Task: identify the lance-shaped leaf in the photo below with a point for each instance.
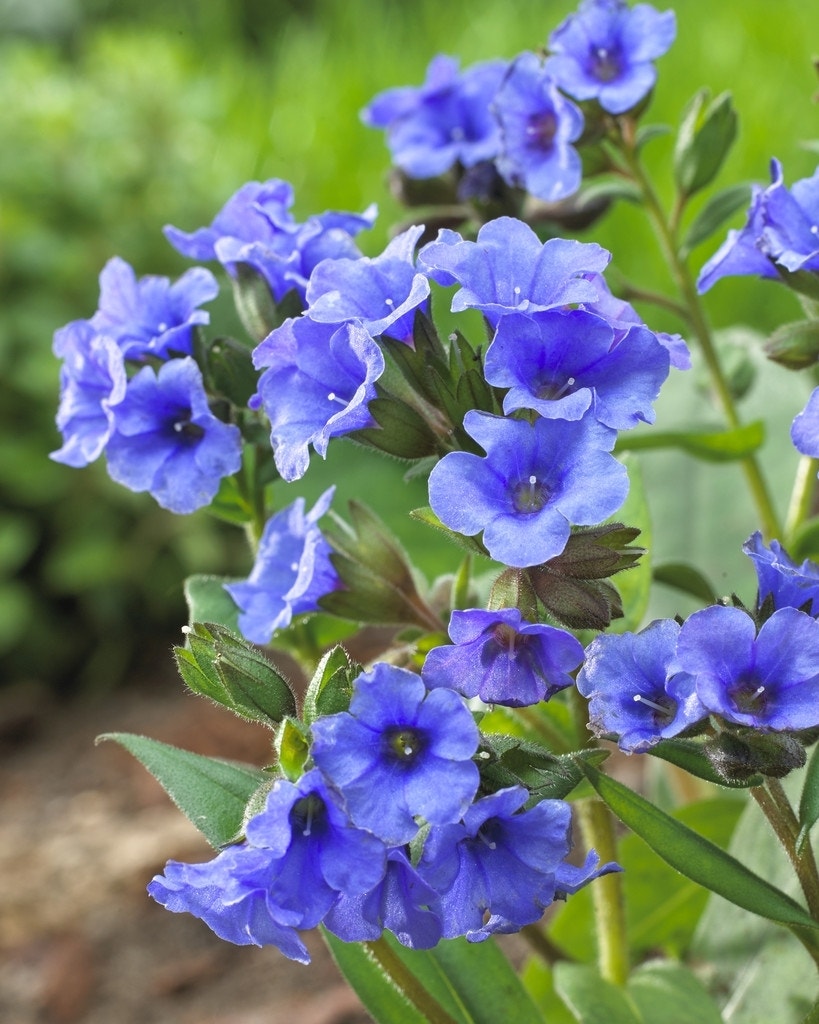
(696, 858)
(714, 214)
(809, 801)
(707, 132)
(331, 687)
(592, 999)
(686, 579)
(211, 793)
(471, 544)
(711, 446)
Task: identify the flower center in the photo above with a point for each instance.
(184, 429)
(542, 129)
(403, 744)
(550, 389)
(530, 495)
(306, 814)
(605, 65)
(663, 707)
(749, 697)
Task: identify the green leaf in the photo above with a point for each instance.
(711, 446)
(648, 132)
(805, 541)
(516, 761)
(689, 755)
(211, 793)
(696, 858)
(707, 132)
(714, 214)
(292, 748)
(686, 578)
(665, 992)
(426, 515)
(331, 687)
(208, 601)
(795, 345)
(809, 800)
(606, 188)
(591, 999)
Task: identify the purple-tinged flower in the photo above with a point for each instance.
(535, 481)
(291, 572)
(445, 121)
(402, 902)
(316, 851)
(167, 441)
(622, 316)
(92, 383)
(790, 585)
(316, 385)
(255, 227)
(538, 126)
(399, 753)
(633, 692)
(230, 894)
(499, 869)
(563, 363)
(781, 230)
(605, 51)
(151, 316)
(509, 270)
(501, 658)
(805, 427)
(768, 681)
(382, 293)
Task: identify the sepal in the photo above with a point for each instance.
(707, 132)
(256, 306)
(331, 687)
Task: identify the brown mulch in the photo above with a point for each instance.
(82, 831)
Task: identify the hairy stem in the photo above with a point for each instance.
(406, 982)
(775, 805)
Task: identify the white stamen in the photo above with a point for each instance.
(517, 289)
(407, 750)
(389, 302)
(309, 823)
(651, 703)
(533, 480)
(162, 327)
(758, 692)
(333, 397)
(294, 566)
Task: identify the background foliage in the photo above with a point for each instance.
(118, 118)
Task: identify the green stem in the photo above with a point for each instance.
(666, 235)
(541, 944)
(597, 827)
(406, 982)
(802, 495)
(775, 805)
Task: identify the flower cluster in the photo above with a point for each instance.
(516, 117)
(387, 830)
(749, 671)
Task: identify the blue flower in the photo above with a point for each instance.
(562, 364)
(605, 51)
(781, 230)
(167, 441)
(501, 658)
(317, 384)
(768, 681)
(633, 692)
(230, 894)
(291, 572)
(503, 862)
(535, 481)
(382, 293)
(399, 753)
(402, 902)
(790, 585)
(538, 126)
(509, 270)
(445, 121)
(92, 383)
(805, 427)
(151, 316)
(255, 227)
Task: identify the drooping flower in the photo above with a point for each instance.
(382, 293)
(256, 227)
(150, 316)
(445, 121)
(509, 270)
(632, 690)
(538, 126)
(768, 681)
(230, 894)
(605, 51)
(92, 383)
(167, 441)
(501, 658)
(535, 481)
(316, 385)
(400, 752)
(502, 866)
(781, 230)
(788, 584)
(291, 572)
(563, 363)
(401, 902)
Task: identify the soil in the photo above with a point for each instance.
(83, 829)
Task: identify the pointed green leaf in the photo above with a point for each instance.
(211, 793)
(711, 446)
(331, 687)
(685, 578)
(208, 601)
(809, 800)
(695, 857)
(707, 132)
(665, 992)
(714, 214)
(426, 515)
(591, 999)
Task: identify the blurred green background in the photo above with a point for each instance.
(117, 118)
